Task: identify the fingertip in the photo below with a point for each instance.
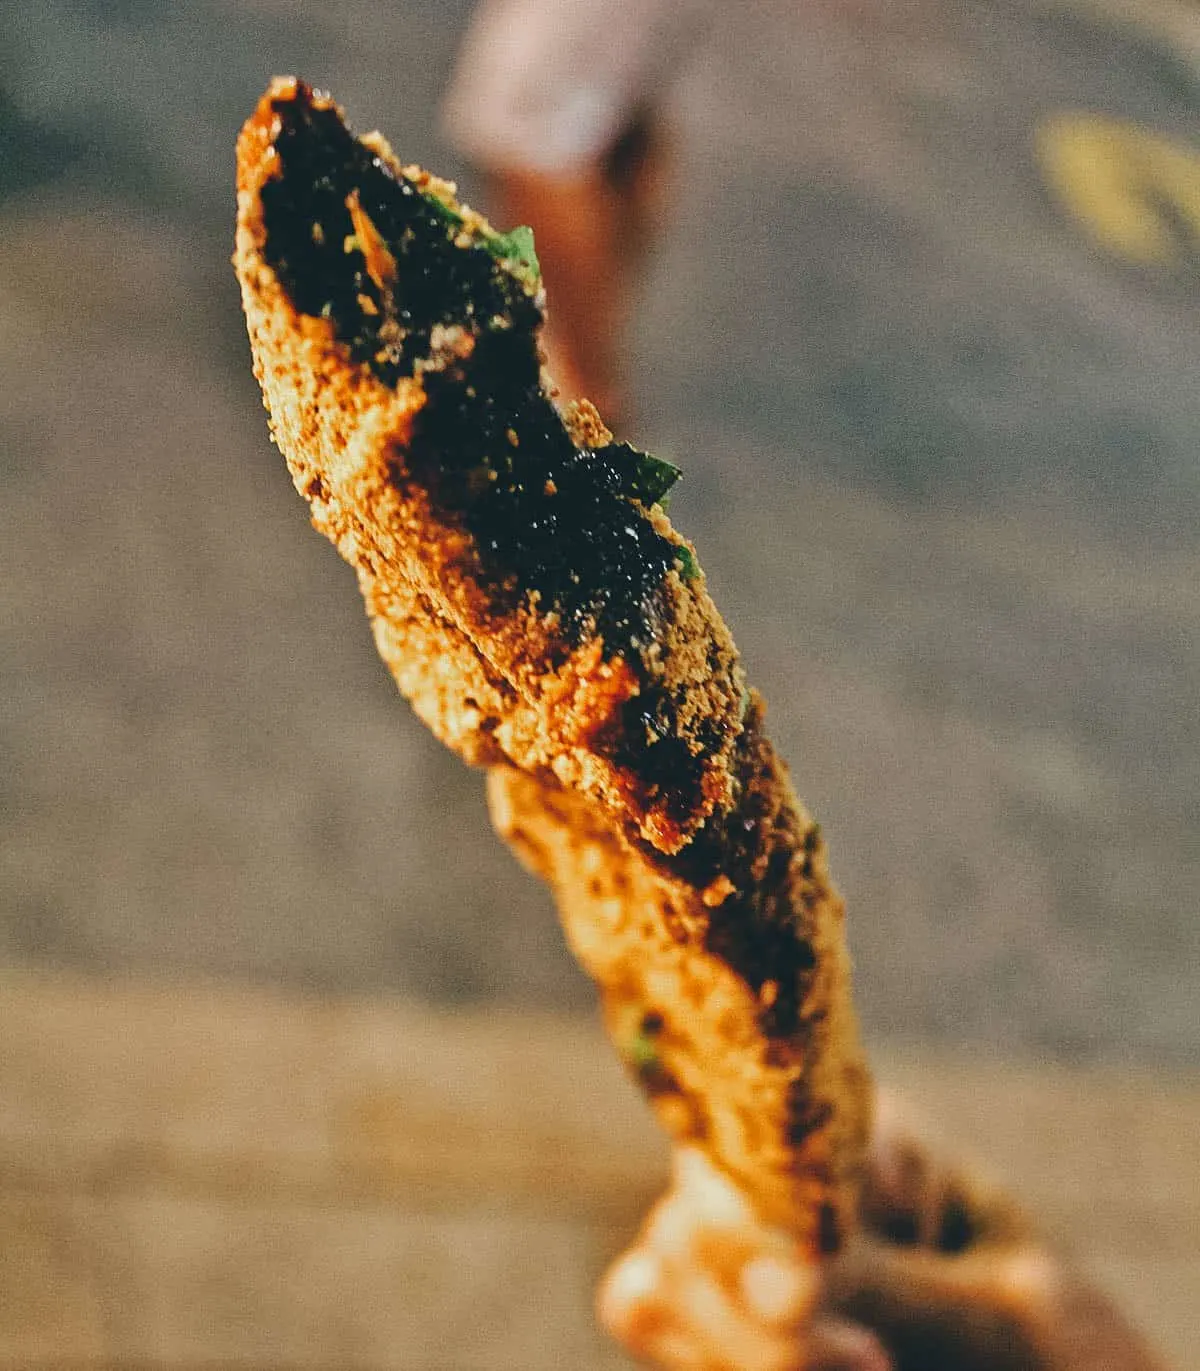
(775, 1291)
(837, 1345)
(631, 1282)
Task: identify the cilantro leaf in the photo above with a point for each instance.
(515, 246)
(644, 478)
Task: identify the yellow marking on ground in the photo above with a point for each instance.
(1135, 193)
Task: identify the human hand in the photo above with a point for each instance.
(947, 1272)
(709, 1287)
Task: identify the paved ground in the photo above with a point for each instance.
(218, 1179)
(941, 444)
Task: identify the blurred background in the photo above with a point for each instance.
(934, 390)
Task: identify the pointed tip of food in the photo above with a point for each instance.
(259, 132)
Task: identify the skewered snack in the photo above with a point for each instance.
(724, 979)
(534, 603)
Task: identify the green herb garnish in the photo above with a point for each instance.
(642, 477)
(446, 213)
(642, 1054)
(685, 559)
(516, 247)
(641, 1048)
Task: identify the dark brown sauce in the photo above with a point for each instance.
(546, 517)
(308, 224)
(758, 930)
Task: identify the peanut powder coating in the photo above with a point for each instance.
(534, 603)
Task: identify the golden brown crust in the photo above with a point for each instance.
(344, 434)
(632, 775)
(725, 983)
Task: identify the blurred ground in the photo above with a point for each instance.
(925, 338)
(941, 454)
(204, 1179)
(942, 464)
